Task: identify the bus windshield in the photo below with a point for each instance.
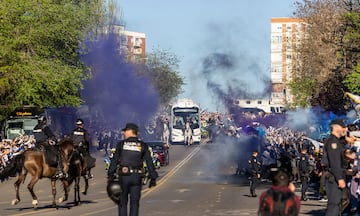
(181, 115)
(18, 127)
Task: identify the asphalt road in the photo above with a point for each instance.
(199, 181)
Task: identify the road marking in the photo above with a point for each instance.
(171, 173)
(147, 191)
(182, 190)
(225, 212)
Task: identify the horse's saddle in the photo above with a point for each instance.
(51, 154)
(89, 160)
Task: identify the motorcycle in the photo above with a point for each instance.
(156, 161)
(107, 158)
(107, 162)
(157, 165)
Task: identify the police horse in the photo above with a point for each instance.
(188, 134)
(78, 168)
(166, 133)
(33, 162)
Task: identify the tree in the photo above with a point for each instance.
(40, 47)
(329, 52)
(352, 80)
(331, 95)
(302, 89)
(352, 55)
(162, 68)
(323, 34)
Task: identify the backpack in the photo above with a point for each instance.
(278, 203)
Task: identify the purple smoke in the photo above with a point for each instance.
(232, 76)
(115, 94)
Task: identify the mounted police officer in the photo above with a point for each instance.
(334, 158)
(81, 138)
(255, 170)
(127, 164)
(304, 168)
(44, 137)
(42, 133)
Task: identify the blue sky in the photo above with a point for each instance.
(193, 29)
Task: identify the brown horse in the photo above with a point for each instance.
(77, 169)
(33, 162)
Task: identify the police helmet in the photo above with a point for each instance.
(79, 121)
(114, 190)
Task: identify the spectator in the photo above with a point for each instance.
(280, 199)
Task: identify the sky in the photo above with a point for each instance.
(198, 30)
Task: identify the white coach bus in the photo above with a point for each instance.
(185, 122)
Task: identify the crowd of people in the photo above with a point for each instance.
(278, 147)
(330, 168)
(300, 156)
(11, 148)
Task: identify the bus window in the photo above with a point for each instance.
(272, 109)
(179, 122)
(15, 125)
(194, 122)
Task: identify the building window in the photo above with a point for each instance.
(137, 43)
(276, 39)
(248, 102)
(259, 102)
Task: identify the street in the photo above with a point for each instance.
(198, 181)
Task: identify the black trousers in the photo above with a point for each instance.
(254, 182)
(131, 186)
(334, 197)
(304, 185)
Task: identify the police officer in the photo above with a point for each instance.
(304, 168)
(42, 133)
(44, 136)
(334, 159)
(81, 138)
(255, 171)
(128, 162)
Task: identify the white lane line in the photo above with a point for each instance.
(147, 191)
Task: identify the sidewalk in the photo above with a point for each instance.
(312, 206)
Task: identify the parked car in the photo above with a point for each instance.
(160, 149)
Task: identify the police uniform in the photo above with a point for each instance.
(128, 163)
(255, 171)
(81, 139)
(334, 159)
(304, 174)
(42, 133)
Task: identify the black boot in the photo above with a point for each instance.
(304, 198)
(60, 174)
(88, 175)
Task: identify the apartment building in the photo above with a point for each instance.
(132, 44)
(286, 37)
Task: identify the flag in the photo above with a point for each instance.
(355, 100)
